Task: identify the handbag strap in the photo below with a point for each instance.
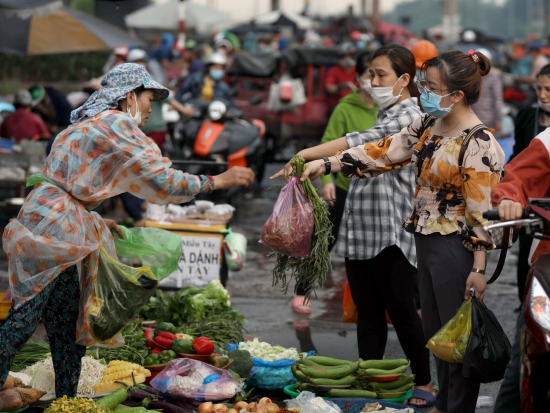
(502, 258)
(506, 236)
(466, 141)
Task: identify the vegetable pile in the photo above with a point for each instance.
(43, 376)
(314, 269)
(267, 352)
(198, 312)
(383, 379)
(264, 405)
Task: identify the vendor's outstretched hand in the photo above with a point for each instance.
(237, 176)
(113, 225)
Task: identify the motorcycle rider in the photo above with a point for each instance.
(341, 78)
(527, 176)
(209, 85)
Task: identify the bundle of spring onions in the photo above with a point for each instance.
(307, 271)
(33, 351)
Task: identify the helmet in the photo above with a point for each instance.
(422, 51)
(485, 52)
(38, 93)
(22, 97)
(135, 55)
(121, 51)
(345, 49)
(469, 36)
(216, 59)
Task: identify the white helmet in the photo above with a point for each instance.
(216, 58)
(469, 36)
(136, 55)
(486, 52)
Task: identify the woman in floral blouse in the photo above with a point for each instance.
(449, 198)
(55, 239)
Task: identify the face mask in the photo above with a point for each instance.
(365, 85)
(430, 102)
(347, 63)
(383, 96)
(137, 117)
(216, 74)
(544, 106)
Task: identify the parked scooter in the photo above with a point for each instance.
(220, 133)
(535, 336)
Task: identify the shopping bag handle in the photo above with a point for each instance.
(472, 292)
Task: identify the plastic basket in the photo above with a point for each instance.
(5, 307)
(293, 393)
(351, 405)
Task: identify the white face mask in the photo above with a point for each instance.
(383, 96)
(137, 117)
(365, 85)
(544, 106)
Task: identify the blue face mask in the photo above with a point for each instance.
(216, 74)
(430, 102)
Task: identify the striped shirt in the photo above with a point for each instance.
(376, 208)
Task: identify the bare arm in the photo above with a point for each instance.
(317, 152)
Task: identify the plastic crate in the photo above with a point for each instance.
(5, 307)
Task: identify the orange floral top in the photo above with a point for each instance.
(448, 198)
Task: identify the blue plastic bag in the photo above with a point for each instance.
(270, 375)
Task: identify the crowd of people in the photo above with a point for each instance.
(405, 200)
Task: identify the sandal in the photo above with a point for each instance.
(423, 395)
(299, 306)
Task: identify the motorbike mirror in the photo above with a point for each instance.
(256, 100)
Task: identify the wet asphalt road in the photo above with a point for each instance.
(269, 311)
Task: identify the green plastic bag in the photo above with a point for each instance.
(157, 248)
(119, 292)
(450, 342)
(234, 248)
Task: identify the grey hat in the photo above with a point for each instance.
(22, 97)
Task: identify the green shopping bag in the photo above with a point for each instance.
(157, 248)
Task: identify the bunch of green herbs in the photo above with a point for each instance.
(312, 270)
(134, 349)
(33, 351)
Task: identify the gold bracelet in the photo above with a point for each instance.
(478, 271)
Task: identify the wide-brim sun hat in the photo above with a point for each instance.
(115, 86)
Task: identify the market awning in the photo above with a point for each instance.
(281, 18)
(165, 17)
(61, 31)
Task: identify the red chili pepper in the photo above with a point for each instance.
(156, 350)
(203, 346)
(164, 342)
(149, 334)
(167, 335)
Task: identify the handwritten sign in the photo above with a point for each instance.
(200, 262)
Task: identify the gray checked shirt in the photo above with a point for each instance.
(376, 208)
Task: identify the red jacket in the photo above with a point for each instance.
(527, 176)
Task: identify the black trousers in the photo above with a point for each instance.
(386, 282)
(336, 214)
(443, 268)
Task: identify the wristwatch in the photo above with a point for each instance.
(478, 271)
(328, 166)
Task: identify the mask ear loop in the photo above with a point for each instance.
(399, 94)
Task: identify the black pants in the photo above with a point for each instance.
(509, 396)
(525, 242)
(443, 268)
(386, 282)
(336, 213)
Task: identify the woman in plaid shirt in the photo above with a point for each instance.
(380, 256)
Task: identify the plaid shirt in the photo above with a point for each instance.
(377, 208)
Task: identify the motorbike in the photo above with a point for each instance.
(535, 336)
(219, 133)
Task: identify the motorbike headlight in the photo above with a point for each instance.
(216, 110)
(540, 304)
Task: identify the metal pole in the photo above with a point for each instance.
(546, 18)
(375, 14)
(181, 18)
(363, 8)
(275, 5)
